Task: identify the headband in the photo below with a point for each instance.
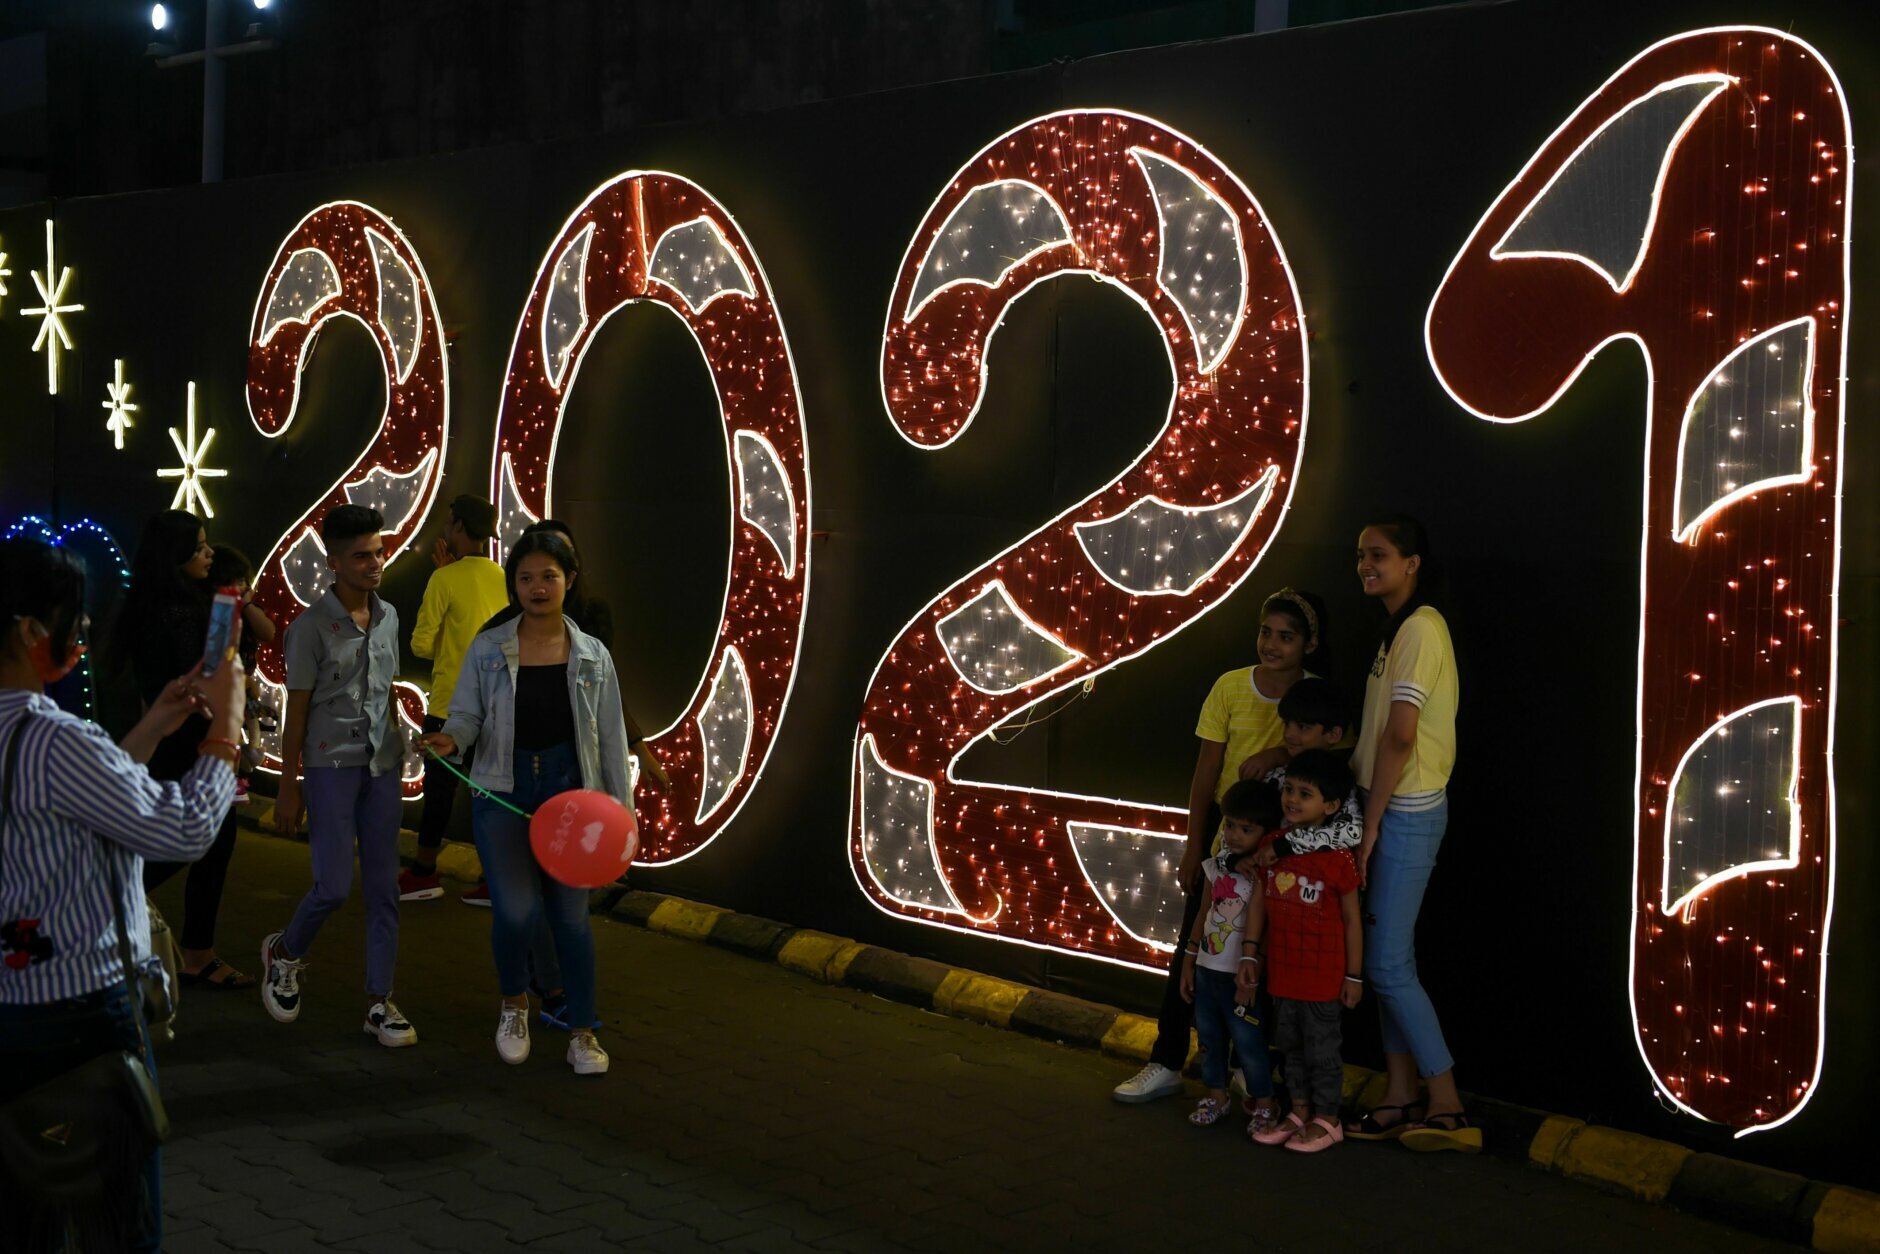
(1305, 608)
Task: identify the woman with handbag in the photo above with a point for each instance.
(80, 1119)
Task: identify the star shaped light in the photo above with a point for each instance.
(119, 404)
(192, 472)
(52, 331)
(4, 272)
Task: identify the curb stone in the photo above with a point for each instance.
(1760, 1200)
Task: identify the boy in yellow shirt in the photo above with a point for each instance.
(465, 590)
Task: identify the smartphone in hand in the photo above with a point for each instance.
(222, 614)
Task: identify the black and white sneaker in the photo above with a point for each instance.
(391, 1027)
(280, 980)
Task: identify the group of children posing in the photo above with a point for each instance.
(1280, 909)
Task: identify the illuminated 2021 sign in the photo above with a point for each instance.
(1696, 204)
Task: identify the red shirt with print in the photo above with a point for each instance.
(1305, 930)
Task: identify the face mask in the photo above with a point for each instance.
(50, 670)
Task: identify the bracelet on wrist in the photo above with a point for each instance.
(226, 743)
(1354, 979)
(1253, 958)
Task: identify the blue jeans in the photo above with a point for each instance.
(522, 895)
(38, 1043)
(349, 806)
(1215, 1022)
(1399, 872)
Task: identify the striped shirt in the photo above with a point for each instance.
(1418, 669)
(78, 800)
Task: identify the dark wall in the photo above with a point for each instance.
(1374, 147)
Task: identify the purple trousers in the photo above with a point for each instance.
(347, 808)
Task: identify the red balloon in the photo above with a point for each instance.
(584, 838)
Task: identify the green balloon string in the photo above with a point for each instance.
(475, 788)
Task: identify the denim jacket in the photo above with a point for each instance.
(483, 711)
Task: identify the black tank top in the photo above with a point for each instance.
(544, 716)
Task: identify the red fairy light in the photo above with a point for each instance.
(347, 259)
(659, 238)
(1073, 193)
(1527, 303)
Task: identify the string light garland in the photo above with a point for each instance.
(347, 260)
(656, 237)
(106, 558)
(1699, 204)
(119, 406)
(1126, 200)
(52, 332)
(191, 494)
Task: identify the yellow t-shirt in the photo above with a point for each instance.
(1243, 718)
(1419, 668)
(458, 600)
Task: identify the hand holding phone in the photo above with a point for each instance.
(219, 646)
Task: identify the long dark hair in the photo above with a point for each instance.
(167, 543)
(38, 580)
(1409, 537)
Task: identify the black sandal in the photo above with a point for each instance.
(205, 978)
(1449, 1130)
(1369, 1129)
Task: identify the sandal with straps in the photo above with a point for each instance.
(1369, 1129)
(1447, 1130)
(216, 973)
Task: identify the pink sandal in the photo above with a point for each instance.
(1281, 1132)
(1333, 1135)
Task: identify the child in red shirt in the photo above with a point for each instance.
(1307, 915)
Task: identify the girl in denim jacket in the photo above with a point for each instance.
(544, 702)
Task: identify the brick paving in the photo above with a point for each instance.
(749, 1109)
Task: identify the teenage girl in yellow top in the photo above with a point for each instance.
(1405, 751)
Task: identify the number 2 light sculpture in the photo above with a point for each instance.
(347, 260)
(1698, 205)
(655, 237)
(1132, 203)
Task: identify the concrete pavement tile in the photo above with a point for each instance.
(231, 1217)
(619, 1225)
(334, 1221)
(521, 1221)
(196, 1241)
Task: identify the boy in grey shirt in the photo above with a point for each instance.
(342, 654)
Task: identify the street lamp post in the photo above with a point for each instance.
(213, 53)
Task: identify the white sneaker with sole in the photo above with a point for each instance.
(1151, 1082)
(585, 1054)
(512, 1034)
(280, 980)
(392, 1028)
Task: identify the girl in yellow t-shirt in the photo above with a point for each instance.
(1406, 748)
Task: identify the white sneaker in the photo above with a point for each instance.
(512, 1034)
(280, 980)
(1151, 1082)
(585, 1054)
(392, 1028)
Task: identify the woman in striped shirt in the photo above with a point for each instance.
(76, 807)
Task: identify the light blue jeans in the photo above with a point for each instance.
(1399, 872)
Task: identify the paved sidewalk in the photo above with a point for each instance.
(749, 1109)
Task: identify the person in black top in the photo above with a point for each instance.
(159, 635)
(593, 617)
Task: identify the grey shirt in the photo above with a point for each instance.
(350, 673)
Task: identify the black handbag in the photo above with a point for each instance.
(64, 1142)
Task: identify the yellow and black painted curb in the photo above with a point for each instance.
(1756, 1199)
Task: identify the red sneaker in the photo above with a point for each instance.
(415, 887)
(478, 896)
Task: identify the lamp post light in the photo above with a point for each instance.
(211, 56)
